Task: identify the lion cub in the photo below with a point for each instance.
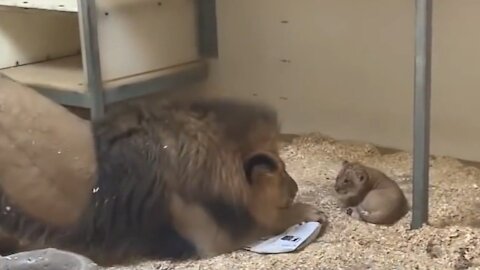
(369, 195)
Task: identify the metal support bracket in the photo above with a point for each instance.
(91, 57)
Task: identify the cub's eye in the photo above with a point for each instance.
(346, 181)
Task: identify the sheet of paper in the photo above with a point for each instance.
(294, 238)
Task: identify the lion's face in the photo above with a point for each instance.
(267, 172)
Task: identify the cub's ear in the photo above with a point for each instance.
(260, 162)
(362, 176)
(345, 163)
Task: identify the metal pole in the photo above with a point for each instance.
(91, 56)
(421, 141)
(207, 27)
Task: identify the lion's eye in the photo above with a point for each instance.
(346, 181)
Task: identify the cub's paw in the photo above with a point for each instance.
(354, 213)
(364, 212)
(311, 213)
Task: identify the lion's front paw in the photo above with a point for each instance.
(311, 213)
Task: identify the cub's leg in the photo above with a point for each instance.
(354, 212)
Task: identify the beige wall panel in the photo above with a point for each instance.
(345, 67)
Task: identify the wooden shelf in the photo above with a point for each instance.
(63, 74)
(163, 55)
(53, 5)
(62, 80)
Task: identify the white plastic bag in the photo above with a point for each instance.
(294, 238)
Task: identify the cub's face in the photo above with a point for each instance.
(350, 179)
(266, 172)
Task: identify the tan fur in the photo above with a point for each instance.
(47, 159)
(195, 224)
(369, 195)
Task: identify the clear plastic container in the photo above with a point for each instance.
(43, 259)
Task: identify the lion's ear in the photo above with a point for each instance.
(260, 162)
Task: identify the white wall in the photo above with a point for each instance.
(350, 69)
